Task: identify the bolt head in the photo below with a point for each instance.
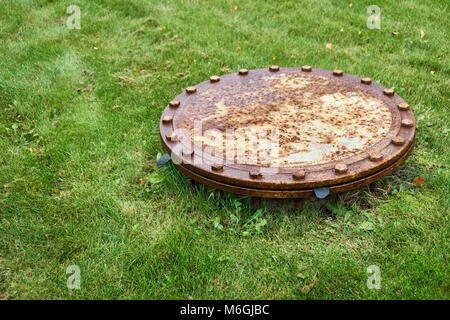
(299, 175)
(366, 80)
(255, 174)
(214, 79)
(167, 119)
(191, 90)
(338, 73)
(274, 68)
(389, 92)
(398, 140)
(174, 103)
(171, 136)
(408, 123)
(375, 156)
(340, 168)
(307, 68)
(187, 153)
(217, 167)
(243, 72)
(403, 106)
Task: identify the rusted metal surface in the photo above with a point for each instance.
(333, 128)
(293, 194)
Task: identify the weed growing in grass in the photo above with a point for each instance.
(239, 223)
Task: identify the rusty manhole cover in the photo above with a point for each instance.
(281, 132)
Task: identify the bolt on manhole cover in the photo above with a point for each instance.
(281, 132)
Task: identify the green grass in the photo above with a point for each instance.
(78, 178)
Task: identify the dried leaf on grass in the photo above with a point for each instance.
(306, 289)
(419, 181)
(125, 79)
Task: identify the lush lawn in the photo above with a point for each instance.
(79, 112)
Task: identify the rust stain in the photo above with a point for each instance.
(318, 119)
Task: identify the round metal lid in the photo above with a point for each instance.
(287, 128)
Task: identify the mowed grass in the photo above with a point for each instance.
(78, 147)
